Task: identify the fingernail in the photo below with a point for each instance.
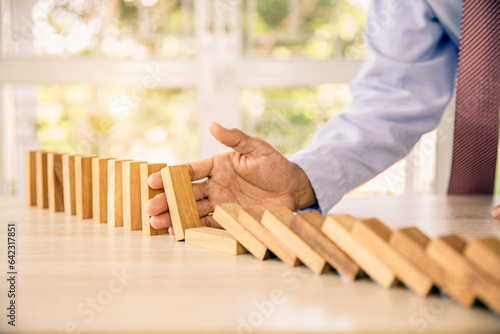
(495, 212)
(171, 231)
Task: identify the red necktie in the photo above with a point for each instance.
(478, 99)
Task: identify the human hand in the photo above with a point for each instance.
(254, 173)
(496, 212)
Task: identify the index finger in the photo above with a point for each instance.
(155, 181)
(200, 169)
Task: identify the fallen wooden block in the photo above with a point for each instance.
(68, 162)
(83, 186)
(444, 252)
(115, 192)
(278, 221)
(227, 216)
(100, 189)
(132, 210)
(42, 193)
(30, 177)
(250, 218)
(55, 182)
(485, 254)
(411, 242)
(375, 236)
(307, 225)
(338, 229)
(214, 239)
(148, 193)
(180, 199)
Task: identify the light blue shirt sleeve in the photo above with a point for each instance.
(400, 93)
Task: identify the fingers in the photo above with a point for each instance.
(161, 221)
(496, 212)
(157, 205)
(209, 221)
(200, 169)
(155, 181)
(233, 138)
(204, 207)
(200, 190)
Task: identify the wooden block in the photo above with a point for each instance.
(30, 177)
(278, 221)
(307, 225)
(411, 242)
(227, 216)
(338, 229)
(55, 182)
(115, 192)
(132, 210)
(68, 163)
(214, 239)
(100, 189)
(180, 199)
(42, 192)
(485, 254)
(83, 186)
(148, 193)
(444, 252)
(250, 218)
(375, 236)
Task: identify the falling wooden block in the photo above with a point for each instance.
(115, 192)
(338, 229)
(30, 177)
(375, 236)
(180, 199)
(485, 254)
(411, 242)
(445, 253)
(307, 225)
(83, 186)
(100, 189)
(68, 163)
(42, 192)
(250, 218)
(214, 239)
(227, 216)
(55, 182)
(132, 210)
(148, 193)
(278, 221)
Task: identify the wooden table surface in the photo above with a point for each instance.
(75, 275)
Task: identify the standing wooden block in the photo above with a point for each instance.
(445, 253)
(83, 186)
(100, 189)
(214, 239)
(375, 236)
(180, 199)
(115, 192)
(148, 193)
(68, 162)
(338, 229)
(278, 221)
(55, 182)
(227, 216)
(411, 242)
(250, 218)
(307, 225)
(485, 254)
(42, 192)
(132, 210)
(30, 177)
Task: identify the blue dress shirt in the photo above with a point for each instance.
(400, 93)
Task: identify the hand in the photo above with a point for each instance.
(254, 173)
(496, 212)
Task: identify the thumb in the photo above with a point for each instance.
(233, 138)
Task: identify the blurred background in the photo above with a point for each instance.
(143, 79)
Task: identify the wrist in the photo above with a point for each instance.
(303, 193)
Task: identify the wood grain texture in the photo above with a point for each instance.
(132, 208)
(42, 191)
(411, 242)
(250, 218)
(484, 253)
(227, 216)
(115, 192)
(307, 225)
(338, 229)
(180, 199)
(148, 193)
(69, 194)
(374, 235)
(278, 221)
(30, 177)
(55, 182)
(214, 239)
(100, 189)
(83, 186)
